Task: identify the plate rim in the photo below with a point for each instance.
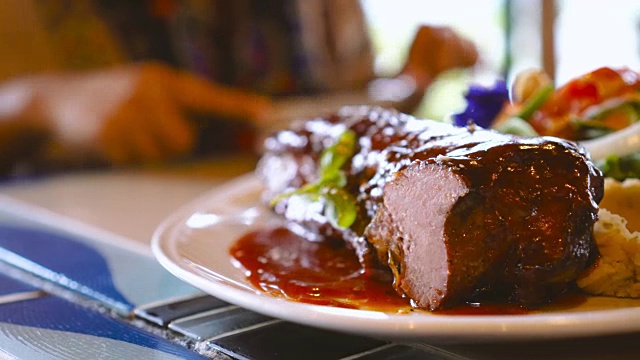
(417, 326)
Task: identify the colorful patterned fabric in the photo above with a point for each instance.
(280, 47)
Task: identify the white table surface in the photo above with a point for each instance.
(128, 204)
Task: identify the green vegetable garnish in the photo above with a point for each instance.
(596, 123)
(340, 206)
(620, 167)
(535, 101)
(516, 126)
(590, 130)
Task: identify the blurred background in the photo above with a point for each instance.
(127, 82)
(565, 38)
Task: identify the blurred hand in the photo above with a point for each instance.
(129, 114)
(433, 51)
(437, 49)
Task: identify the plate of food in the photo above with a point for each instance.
(373, 222)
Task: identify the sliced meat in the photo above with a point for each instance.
(457, 214)
(409, 228)
(497, 223)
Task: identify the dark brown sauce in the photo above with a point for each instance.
(566, 301)
(484, 309)
(284, 264)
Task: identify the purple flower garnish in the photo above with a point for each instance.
(483, 104)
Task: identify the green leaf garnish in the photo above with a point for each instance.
(620, 167)
(335, 156)
(340, 206)
(536, 101)
(516, 126)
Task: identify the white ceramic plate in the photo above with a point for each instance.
(193, 244)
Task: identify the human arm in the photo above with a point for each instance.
(121, 115)
(434, 50)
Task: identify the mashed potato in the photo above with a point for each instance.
(623, 198)
(617, 270)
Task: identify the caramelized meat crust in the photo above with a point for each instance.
(457, 214)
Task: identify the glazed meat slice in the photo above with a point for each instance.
(456, 214)
(499, 222)
(408, 231)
